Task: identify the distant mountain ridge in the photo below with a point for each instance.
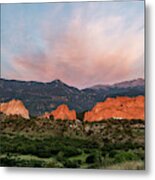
(123, 84)
(39, 97)
(126, 88)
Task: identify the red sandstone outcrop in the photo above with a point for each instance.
(14, 107)
(118, 108)
(62, 112)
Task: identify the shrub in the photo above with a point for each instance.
(71, 164)
(93, 158)
(125, 156)
(112, 153)
(71, 151)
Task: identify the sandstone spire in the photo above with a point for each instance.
(62, 112)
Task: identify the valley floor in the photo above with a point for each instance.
(110, 144)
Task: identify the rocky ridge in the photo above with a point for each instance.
(117, 108)
(41, 97)
(14, 107)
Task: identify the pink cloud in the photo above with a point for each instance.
(86, 53)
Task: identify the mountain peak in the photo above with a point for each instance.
(123, 84)
(57, 81)
(130, 83)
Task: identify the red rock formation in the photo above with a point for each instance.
(62, 112)
(14, 107)
(118, 108)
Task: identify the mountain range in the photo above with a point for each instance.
(40, 97)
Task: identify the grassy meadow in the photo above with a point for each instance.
(109, 144)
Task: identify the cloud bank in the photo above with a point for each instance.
(89, 48)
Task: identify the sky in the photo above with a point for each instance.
(82, 43)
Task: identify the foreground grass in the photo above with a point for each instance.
(109, 144)
(62, 152)
(129, 165)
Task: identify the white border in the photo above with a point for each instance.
(25, 1)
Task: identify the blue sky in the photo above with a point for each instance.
(80, 43)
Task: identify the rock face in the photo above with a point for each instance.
(118, 108)
(62, 112)
(14, 107)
